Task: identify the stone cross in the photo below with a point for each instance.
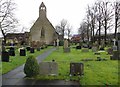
(114, 41)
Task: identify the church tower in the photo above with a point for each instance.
(43, 30)
(42, 11)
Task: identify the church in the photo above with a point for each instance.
(42, 30)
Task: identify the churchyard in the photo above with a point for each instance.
(96, 72)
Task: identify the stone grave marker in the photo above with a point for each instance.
(85, 50)
(5, 56)
(22, 52)
(12, 51)
(32, 50)
(110, 51)
(48, 68)
(58, 43)
(95, 47)
(76, 69)
(114, 46)
(66, 48)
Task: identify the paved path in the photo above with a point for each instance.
(12, 77)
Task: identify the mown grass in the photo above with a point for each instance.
(95, 72)
(18, 60)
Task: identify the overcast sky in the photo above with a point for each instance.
(73, 11)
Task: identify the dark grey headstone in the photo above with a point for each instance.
(76, 69)
(5, 56)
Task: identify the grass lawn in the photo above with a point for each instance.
(17, 60)
(95, 72)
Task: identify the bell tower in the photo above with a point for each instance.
(42, 11)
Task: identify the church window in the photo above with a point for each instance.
(42, 33)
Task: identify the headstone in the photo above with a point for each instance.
(85, 50)
(5, 56)
(115, 56)
(66, 48)
(57, 42)
(110, 51)
(76, 69)
(22, 52)
(12, 51)
(94, 49)
(78, 47)
(28, 48)
(48, 68)
(38, 49)
(114, 48)
(65, 43)
(32, 50)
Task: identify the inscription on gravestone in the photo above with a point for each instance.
(48, 68)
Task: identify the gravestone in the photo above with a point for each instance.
(76, 69)
(85, 50)
(32, 50)
(38, 49)
(48, 68)
(5, 56)
(66, 48)
(95, 47)
(58, 43)
(12, 51)
(28, 48)
(110, 51)
(22, 52)
(115, 56)
(78, 47)
(114, 46)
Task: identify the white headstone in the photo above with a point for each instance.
(114, 41)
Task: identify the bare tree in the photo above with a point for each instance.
(7, 18)
(117, 16)
(61, 28)
(91, 16)
(99, 19)
(107, 15)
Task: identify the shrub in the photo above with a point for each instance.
(31, 67)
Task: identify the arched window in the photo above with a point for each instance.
(42, 33)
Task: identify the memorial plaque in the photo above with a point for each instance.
(76, 69)
(48, 68)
